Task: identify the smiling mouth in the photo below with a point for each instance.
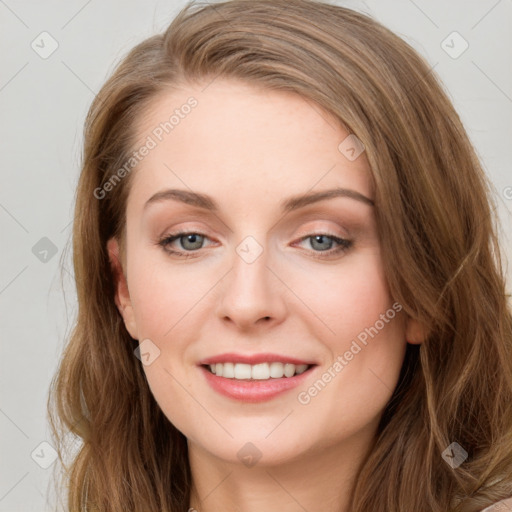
(261, 371)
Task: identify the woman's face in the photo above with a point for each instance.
(265, 282)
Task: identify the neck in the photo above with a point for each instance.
(326, 476)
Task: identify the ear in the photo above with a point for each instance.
(415, 333)
(122, 295)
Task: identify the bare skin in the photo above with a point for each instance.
(250, 150)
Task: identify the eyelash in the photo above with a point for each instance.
(343, 244)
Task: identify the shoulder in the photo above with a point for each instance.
(500, 506)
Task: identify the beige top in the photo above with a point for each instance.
(501, 506)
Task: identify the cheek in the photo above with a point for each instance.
(340, 300)
(345, 298)
(360, 328)
(162, 293)
(335, 304)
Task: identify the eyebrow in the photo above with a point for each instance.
(293, 203)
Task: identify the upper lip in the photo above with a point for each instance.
(253, 359)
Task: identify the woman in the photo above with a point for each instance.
(223, 359)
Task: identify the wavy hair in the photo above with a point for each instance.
(438, 229)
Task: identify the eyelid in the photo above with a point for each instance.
(307, 232)
(343, 244)
(323, 226)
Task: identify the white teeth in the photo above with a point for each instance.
(289, 370)
(228, 370)
(242, 371)
(301, 368)
(276, 370)
(261, 371)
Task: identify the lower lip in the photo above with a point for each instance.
(253, 391)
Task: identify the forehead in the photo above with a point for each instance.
(230, 139)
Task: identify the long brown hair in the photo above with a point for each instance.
(437, 223)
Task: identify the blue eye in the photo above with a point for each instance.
(319, 240)
(324, 243)
(191, 242)
(194, 239)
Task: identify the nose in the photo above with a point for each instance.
(252, 294)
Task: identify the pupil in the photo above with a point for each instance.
(192, 239)
(320, 239)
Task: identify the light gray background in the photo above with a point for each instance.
(43, 103)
